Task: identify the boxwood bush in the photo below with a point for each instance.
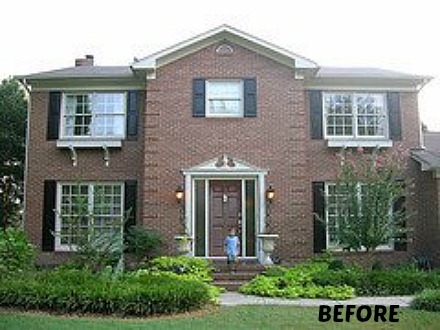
(428, 300)
(80, 291)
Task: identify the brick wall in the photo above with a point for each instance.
(47, 162)
(171, 140)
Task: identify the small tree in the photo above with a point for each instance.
(368, 187)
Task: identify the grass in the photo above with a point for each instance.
(241, 317)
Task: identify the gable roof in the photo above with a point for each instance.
(228, 33)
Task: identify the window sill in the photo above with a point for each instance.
(354, 143)
(92, 143)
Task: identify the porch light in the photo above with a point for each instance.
(270, 194)
(179, 194)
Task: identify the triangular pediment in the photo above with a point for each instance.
(223, 33)
(224, 164)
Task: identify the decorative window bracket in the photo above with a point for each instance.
(106, 155)
(73, 155)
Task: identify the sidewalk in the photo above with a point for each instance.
(234, 298)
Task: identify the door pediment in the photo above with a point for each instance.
(224, 165)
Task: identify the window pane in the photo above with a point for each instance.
(371, 114)
(98, 114)
(81, 214)
(338, 112)
(224, 97)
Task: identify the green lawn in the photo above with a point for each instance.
(242, 317)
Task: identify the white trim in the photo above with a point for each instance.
(354, 115)
(208, 114)
(58, 247)
(207, 223)
(243, 217)
(371, 88)
(389, 247)
(88, 143)
(354, 143)
(221, 33)
(92, 93)
(241, 174)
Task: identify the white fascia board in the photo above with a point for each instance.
(222, 32)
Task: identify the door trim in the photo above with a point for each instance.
(208, 171)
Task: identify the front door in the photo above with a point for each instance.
(225, 212)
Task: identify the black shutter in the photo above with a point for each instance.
(132, 115)
(130, 203)
(394, 115)
(48, 239)
(316, 120)
(400, 243)
(319, 228)
(53, 116)
(199, 98)
(250, 97)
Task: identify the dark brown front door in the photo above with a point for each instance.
(225, 212)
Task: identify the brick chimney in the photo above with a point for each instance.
(86, 61)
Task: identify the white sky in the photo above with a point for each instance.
(40, 35)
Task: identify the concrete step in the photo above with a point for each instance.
(223, 267)
(230, 285)
(238, 276)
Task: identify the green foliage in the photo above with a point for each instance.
(200, 269)
(13, 109)
(428, 300)
(81, 291)
(380, 282)
(16, 253)
(367, 187)
(296, 282)
(275, 271)
(99, 250)
(142, 242)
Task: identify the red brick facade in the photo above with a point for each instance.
(171, 140)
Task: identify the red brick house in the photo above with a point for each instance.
(225, 115)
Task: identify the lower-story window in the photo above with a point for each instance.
(85, 210)
(334, 201)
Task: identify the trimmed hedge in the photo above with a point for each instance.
(428, 300)
(380, 283)
(79, 291)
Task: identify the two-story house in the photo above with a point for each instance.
(224, 115)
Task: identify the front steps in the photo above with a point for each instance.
(231, 281)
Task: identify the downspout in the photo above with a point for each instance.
(26, 86)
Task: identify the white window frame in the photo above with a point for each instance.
(90, 205)
(224, 115)
(354, 115)
(63, 116)
(336, 247)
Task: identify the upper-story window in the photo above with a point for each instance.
(224, 98)
(94, 115)
(355, 115)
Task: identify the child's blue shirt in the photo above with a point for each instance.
(231, 243)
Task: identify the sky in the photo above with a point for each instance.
(41, 35)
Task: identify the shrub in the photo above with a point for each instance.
(142, 242)
(81, 291)
(199, 269)
(296, 282)
(275, 271)
(380, 282)
(99, 251)
(428, 300)
(16, 253)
